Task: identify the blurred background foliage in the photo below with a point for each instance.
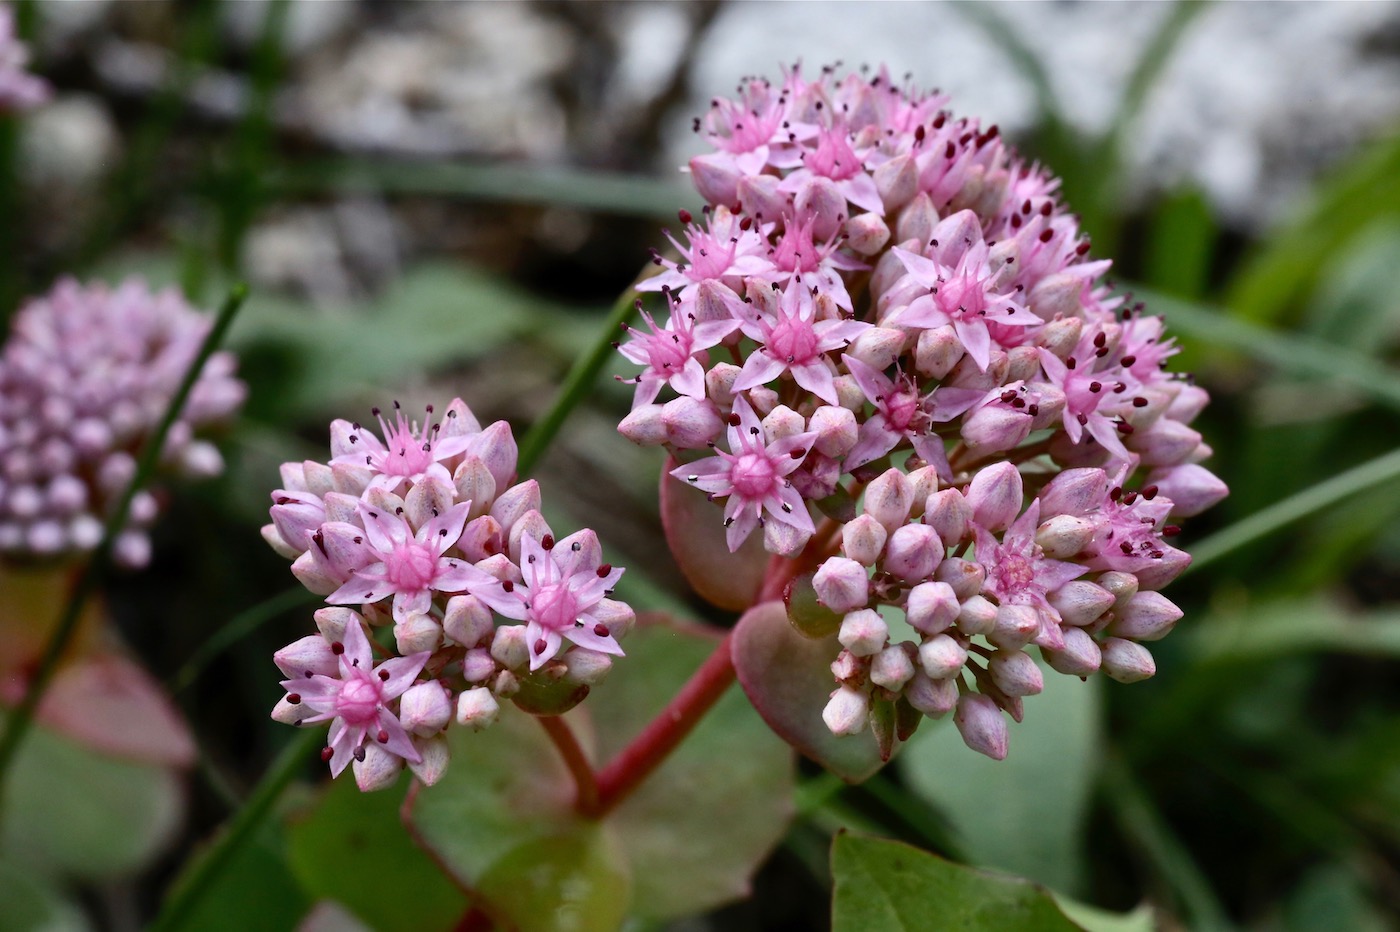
(442, 199)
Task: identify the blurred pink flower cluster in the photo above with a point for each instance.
(886, 319)
(423, 528)
(19, 90)
(85, 377)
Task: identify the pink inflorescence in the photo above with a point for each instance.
(891, 312)
(19, 90)
(85, 377)
(422, 526)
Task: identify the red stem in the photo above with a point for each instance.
(569, 749)
(645, 753)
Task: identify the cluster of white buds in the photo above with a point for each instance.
(427, 531)
(85, 377)
(887, 318)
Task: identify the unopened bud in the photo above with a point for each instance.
(719, 383)
(932, 607)
(863, 539)
(1074, 492)
(948, 513)
(425, 708)
(938, 351)
(690, 423)
(1149, 616)
(994, 428)
(877, 347)
(716, 178)
(917, 220)
(781, 423)
(467, 620)
(863, 633)
(931, 697)
(995, 496)
(508, 647)
(866, 234)
(1015, 673)
(913, 552)
(1162, 570)
(587, 667)
(888, 499)
(1063, 536)
(820, 201)
(760, 196)
(434, 757)
(977, 616)
(1165, 443)
(1079, 656)
(306, 656)
(981, 725)
(477, 708)
(847, 711)
(891, 668)
(416, 633)
(842, 585)
(1127, 661)
(478, 665)
(378, 770)
(1191, 488)
(1080, 602)
(941, 656)
(1015, 626)
(515, 501)
(897, 181)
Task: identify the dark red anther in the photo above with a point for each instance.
(327, 754)
(1124, 428)
(1096, 387)
(1149, 493)
(507, 585)
(540, 645)
(1139, 402)
(337, 648)
(1126, 547)
(601, 630)
(382, 737)
(604, 569)
(684, 215)
(1116, 493)
(294, 698)
(547, 542)
(1171, 530)
(1100, 338)
(1082, 248)
(1047, 235)
(384, 676)
(733, 420)
(359, 754)
(1127, 361)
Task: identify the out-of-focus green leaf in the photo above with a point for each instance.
(351, 847)
(1180, 245)
(1355, 305)
(999, 808)
(1285, 266)
(72, 810)
(32, 905)
(1332, 897)
(502, 819)
(887, 886)
(1094, 919)
(788, 679)
(229, 905)
(1261, 631)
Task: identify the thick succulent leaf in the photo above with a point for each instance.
(887, 886)
(351, 847)
(111, 705)
(685, 858)
(788, 679)
(806, 612)
(72, 810)
(33, 905)
(695, 534)
(1055, 754)
(502, 819)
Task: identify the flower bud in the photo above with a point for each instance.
(1149, 616)
(1057, 295)
(1079, 656)
(842, 585)
(1014, 627)
(849, 669)
(948, 513)
(931, 697)
(586, 667)
(515, 501)
(760, 196)
(995, 496)
(425, 708)
(531, 524)
(477, 708)
(917, 221)
(1080, 602)
(977, 616)
(306, 656)
(508, 647)
(297, 515)
(417, 632)
(866, 234)
(428, 498)
(891, 668)
(932, 607)
(1190, 400)
(1015, 673)
(847, 711)
(897, 181)
(1064, 536)
(467, 620)
(1022, 363)
(877, 347)
(1165, 443)
(994, 428)
(913, 552)
(784, 540)
(617, 617)
(888, 271)
(1074, 492)
(938, 350)
(378, 771)
(474, 483)
(941, 657)
(719, 383)
(781, 423)
(716, 178)
(763, 399)
(863, 539)
(819, 200)
(287, 712)
(863, 633)
(1127, 661)
(981, 725)
(691, 423)
(1122, 586)
(1191, 488)
(434, 757)
(478, 665)
(888, 499)
(964, 576)
(644, 426)
(1171, 564)
(497, 449)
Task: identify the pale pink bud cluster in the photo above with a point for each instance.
(422, 541)
(885, 310)
(19, 90)
(85, 377)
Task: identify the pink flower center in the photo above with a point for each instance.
(1015, 573)
(408, 454)
(667, 351)
(747, 129)
(834, 157)
(358, 701)
(709, 258)
(410, 566)
(753, 475)
(793, 341)
(796, 252)
(962, 298)
(900, 409)
(554, 606)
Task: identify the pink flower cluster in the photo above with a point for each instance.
(885, 312)
(423, 528)
(19, 90)
(85, 377)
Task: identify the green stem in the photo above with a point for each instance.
(579, 381)
(237, 628)
(1311, 500)
(185, 897)
(23, 716)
